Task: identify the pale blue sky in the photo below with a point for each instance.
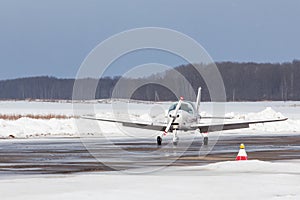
(52, 37)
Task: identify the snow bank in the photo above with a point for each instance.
(288, 126)
(138, 111)
(253, 166)
(27, 127)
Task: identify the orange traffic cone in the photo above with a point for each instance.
(242, 155)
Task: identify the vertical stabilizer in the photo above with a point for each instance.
(198, 100)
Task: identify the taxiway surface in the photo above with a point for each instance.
(68, 155)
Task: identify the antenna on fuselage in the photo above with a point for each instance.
(198, 100)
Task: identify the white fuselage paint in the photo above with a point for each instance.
(185, 118)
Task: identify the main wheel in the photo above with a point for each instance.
(159, 140)
(205, 141)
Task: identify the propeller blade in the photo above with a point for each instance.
(169, 126)
(174, 116)
(178, 106)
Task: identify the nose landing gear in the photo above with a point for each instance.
(175, 137)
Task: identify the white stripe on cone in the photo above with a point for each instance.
(242, 155)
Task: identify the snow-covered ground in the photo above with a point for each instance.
(251, 179)
(145, 111)
(225, 180)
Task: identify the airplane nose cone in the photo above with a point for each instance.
(178, 117)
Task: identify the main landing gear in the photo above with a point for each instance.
(159, 140)
(205, 138)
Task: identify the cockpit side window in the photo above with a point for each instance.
(187, 108)
(172, 107)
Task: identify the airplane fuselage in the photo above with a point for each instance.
(186, 116)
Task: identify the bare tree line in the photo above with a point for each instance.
(243, 82)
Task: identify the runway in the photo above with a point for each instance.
(69, 155)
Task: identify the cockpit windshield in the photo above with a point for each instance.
(184, 106)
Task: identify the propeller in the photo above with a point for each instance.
(174, 116)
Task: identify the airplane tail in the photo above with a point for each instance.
(198, 100)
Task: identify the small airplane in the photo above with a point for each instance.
(184, 116)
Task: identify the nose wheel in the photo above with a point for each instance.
(175, 140)
(175, 137)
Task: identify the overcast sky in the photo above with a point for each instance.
(52, 37)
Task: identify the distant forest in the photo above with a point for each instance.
(243, 82)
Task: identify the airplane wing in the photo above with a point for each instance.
(206, 127)
(143, 125)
